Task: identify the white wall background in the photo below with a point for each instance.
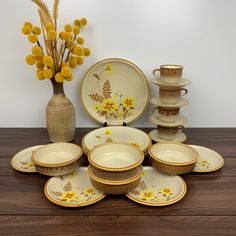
(199, 34)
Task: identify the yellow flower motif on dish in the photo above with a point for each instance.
(147, 194)
(109, 105)
(166, 191)
(109, 68)
(73, 173)
(108, 131)
(120, 113)
(204, 162)
(136, 144)
(30, 164)
(90, 191)
(144, 173)
(69, 195)
(128, 102)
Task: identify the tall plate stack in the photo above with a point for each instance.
(166, 113)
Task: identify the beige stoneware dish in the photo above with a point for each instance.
(158, 189)
(115, 187)
(57, 158)
(73, 189)
(182, 102)
(111, 134)
(182, 83)
(173, 158)
(115, 161)
(181, 120)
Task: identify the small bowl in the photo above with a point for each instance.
(115, 187)
(115, 161)
(173, 158)
(57, 158)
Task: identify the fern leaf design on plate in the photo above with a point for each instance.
(106, 89)
(58, 194)
(96, 76)
(68, 187)
(96, 97)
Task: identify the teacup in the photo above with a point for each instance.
(168, 115)
(171, 95)
(168, 133)
(169, 74)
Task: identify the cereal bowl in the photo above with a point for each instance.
(57, 158)
(173, 158)
(115, 161)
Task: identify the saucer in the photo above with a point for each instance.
(182, 102)
(209, 160)
(72, 190)
(22, 161)
(180, 137)
(154, 119)
(183, 82)
(157, 189)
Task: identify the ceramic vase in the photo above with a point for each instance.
(60, 116)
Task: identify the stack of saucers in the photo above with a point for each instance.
(115, 168)
(166, 116)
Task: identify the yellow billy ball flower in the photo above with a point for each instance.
(39, 65)
(71, 48)
(28, 24)
(76, 30)
(30, 59)
(69, 78)
(26, 30)
(64, 64)
(52, 35)
(80, 60)
(68, 28)
(77, 22)
(36, 30)
(59, 78)
(49, 27)
(48, 74)
(80, 40)
(39, 75)
(48, 61)
(79, 51)
(37, 51)
(83, 21)
(87, 52)
(66, 71)
(72, 61)
(62, 35)
(33, 38)
(68, 36)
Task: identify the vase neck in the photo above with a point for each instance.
(57, 87)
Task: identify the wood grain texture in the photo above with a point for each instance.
(208, 208)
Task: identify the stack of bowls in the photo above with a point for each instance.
(115, 168)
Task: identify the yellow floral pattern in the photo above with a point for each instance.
(69, 196)
(136, 144)
(203, 164)
(27, 165)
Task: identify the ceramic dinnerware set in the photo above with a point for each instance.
(167, 105)
(110, 93)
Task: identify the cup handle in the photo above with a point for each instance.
(180, 128)
(185, 91)
(154, 72)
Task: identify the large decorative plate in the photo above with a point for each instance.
(22, 161)
(208, 161)
(157, 189)
(72, 190)
(111, 134)
(114, 91)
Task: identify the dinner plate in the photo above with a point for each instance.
(181, 120)
(111, 134)
(209, 160)
(22, 161)
(158, 189)
(114, 91)
(183, 82)
(180, 137)
(182, 102)
(72, 190)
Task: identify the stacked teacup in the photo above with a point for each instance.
(166, 113)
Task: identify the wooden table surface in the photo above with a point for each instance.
(209, 206)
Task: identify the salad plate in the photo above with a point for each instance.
(209, 160)
(181, 103)
(73, 189)
(180, 137)
(158, 189)
(183, 82)
(110, 92)
(22, 161)
(135, 137)
(181, 120)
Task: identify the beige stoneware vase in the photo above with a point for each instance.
(60, 116)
